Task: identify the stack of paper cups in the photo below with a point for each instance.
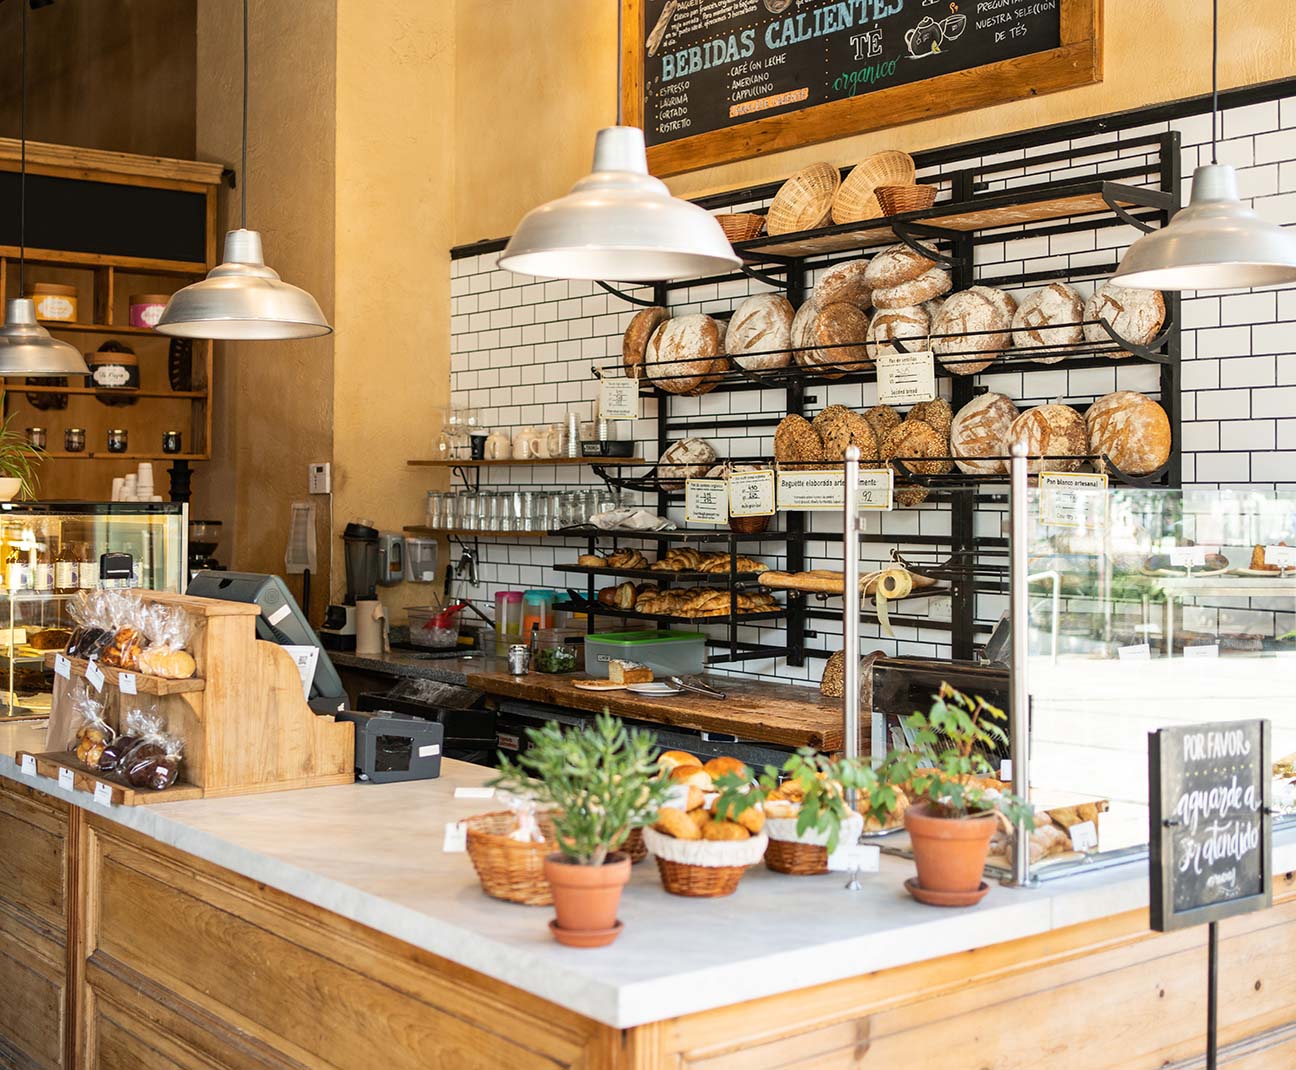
(118, 484)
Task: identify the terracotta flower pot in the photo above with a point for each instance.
(586, 899)
(950, 853)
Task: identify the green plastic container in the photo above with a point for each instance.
(667, 653)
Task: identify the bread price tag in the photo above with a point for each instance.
(1135, 652)
(29, 764)
(126, 683)
(94, 675)
(855, 858)
(906, 378)
(1084, 836)
(1202, 650)
(62, 666)
(456, 837)
(619, 399)
(1282, 556)
(103, 793)
(67, 779)
(876, 489)
(1073, 499)
(1187, 556)
(751, 493)
(706, 501)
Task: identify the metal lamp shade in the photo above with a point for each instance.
(26, 348)
(241, 298)
(1216, 243)
(619, 224)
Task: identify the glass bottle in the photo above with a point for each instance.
(87, 569)
(43, 573)
(65, 569)
(17, 572)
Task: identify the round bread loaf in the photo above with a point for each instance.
(915, 439)
(894, 265)
(634, 345)
(759, 337)
(839, 427)
(926, 287)
(686, 354)
(976, 321)
(883, 419)
(937, 413)
(1135, 315)
(796, 440)
(1131, 429)
(908, 325)
(801, 324)
(688, 458)
(845, 282)
(841, 329)
(980, 430)
(1055, 436)
(1049, 317)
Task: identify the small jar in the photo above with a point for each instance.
(147, 309)
(54, 302)
(171, 441)
(74, 439)
(117, 440)
(36, 437)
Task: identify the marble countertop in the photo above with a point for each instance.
(446, 668)
(373, 853)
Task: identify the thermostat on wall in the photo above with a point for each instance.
(320, 478)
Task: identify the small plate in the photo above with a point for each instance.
(657, 687)
(1285, 574)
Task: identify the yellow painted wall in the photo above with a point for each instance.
(535, 79)
(273, 412)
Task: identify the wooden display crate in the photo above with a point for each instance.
(245, 725)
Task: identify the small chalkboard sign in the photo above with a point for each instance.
(1211, 825)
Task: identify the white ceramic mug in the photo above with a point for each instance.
(527, 444)
(498, 447)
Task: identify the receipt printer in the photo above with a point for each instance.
(394, 746)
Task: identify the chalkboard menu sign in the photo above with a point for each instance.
(1210, 828)
(725, 79)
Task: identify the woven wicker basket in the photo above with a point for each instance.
(509, 869)
(856, 200)
(805, 200)
(713, 869)
(910, 198)
(635, 847)
(741, 226)
(796, 859)
(700, 882)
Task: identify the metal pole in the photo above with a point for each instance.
(1212, 994)
(851, 622)
(1019, 724)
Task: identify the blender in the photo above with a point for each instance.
(363, 574)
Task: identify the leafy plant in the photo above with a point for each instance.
(946, 761)
(601, 782)
(19, 459)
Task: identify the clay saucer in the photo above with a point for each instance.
(585, 937)
(944, 899)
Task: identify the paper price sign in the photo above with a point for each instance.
(876, 489)
(619, 399)
(94, 675)
(62, 667)
(1282, 556)
(827, 490)
(906, 378)
(1187, 556)
(1072, 499)
(751, 494)
(127, 684)
(706, 501)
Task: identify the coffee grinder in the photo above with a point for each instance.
(204, 537)
(363, 571)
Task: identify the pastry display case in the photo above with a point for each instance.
(50, 553)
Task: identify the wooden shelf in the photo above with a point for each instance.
(144, 684)
(85, 779)
(184, 395)
(426, 532)
(106, 456)
(609, 462)
(128, 265)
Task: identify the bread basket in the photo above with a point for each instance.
(510, 869)
(741, 226)
(803, 855)
(909, 198)
(703, 869)
(805, 200)
(635, 847)
(856, 199)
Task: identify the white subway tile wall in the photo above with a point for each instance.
(523, 352)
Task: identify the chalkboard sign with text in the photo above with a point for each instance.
(1210, 827)
(718, 80)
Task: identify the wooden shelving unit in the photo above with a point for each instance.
(606, 462)
(470, 533)
(144, 684)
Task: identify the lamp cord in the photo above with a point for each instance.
(1214, 75)
(22, 167)
(620, 59)
(243, 180)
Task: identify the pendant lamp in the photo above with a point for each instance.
(619, 224)
(1217, 242)
(27, 348)
(243, 298)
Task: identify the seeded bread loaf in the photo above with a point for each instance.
(980, 430)
(883, 419)
(935, 413)
(796, 441)
(839, 427)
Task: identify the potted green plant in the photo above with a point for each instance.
(954, 813)
(18, 461)
(600, 782)
(806, 810)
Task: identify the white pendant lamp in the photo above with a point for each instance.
(241, 298)
(619, 224)
(1217, 242)
(27, 348)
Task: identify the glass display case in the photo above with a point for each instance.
(52, 551)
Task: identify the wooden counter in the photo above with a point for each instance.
(782, 714)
